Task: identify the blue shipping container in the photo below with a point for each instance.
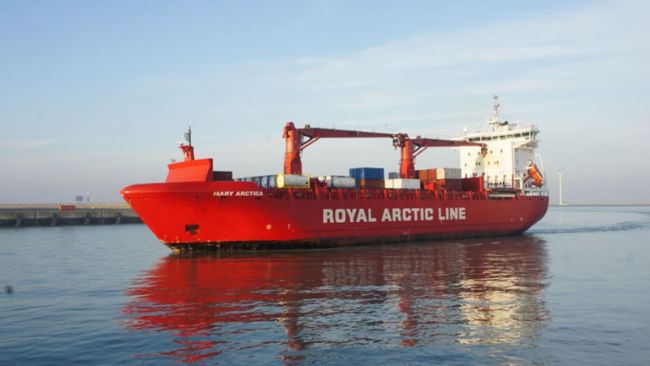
(263, 181)
(367, 173)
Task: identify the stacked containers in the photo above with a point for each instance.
(403, 183)
(448, 173)
(368, 178)
(449, 178)
(446, 178)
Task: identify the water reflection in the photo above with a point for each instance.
(290, 303)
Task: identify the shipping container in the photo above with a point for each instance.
(221, 175)
(292, 181)
(402, 183)
(266, 180)
(371, 183)
(455, 185)
(338, 181)
(393, 175)
(426, 175)
(447, 173)
(272, 181)
(263, 181)
(367, 173)
(474, 184)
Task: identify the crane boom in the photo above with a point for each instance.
(410, 148)
(298, 139)
(296, 142)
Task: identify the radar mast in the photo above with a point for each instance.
(494, 121)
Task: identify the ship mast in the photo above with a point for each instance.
(188, 149)
(494, 120)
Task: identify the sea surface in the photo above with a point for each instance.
(575, 290)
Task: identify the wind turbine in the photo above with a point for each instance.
(559, 175)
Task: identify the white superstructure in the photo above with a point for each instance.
(504, 161)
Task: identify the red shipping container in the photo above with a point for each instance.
(449, 184)
(371, 183)
(474, 184)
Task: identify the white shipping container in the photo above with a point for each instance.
(292, 181)
(402, 183)
(448, 173)
(339, 181)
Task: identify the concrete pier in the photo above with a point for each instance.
(54, 214)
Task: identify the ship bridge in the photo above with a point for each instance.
(508, 154)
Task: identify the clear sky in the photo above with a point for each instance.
(95, 95)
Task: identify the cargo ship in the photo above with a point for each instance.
(498, 190)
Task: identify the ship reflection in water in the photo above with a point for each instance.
(292, 305)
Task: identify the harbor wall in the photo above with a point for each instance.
(55, 214)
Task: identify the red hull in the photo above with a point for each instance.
(229, 214)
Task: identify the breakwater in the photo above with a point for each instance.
(54, 214)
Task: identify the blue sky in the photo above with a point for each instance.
(95, 95)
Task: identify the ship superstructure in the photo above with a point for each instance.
(508, 160)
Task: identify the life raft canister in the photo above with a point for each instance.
(535, 175)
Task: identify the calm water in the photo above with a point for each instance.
(575, 290)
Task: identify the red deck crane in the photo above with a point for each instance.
(410, 148)
(295, 142)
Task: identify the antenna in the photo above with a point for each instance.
(188, 150)
(494, 118)
(188, 136)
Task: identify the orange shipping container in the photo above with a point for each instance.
(371, 183)
(426, 175)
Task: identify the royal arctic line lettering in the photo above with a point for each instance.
(407, 214)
